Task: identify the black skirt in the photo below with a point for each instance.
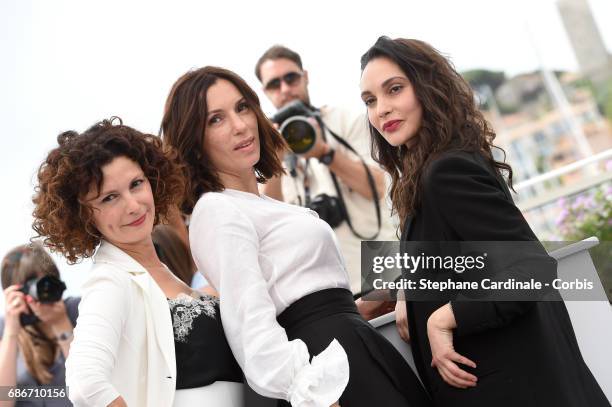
(379, 375)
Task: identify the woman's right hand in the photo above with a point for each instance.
(401, 317)
(370, 309)
(14, 305)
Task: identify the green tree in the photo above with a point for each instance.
(480, 77)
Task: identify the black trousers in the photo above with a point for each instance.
(379, 375)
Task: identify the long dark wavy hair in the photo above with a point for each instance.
(183, 128)
(450, 120)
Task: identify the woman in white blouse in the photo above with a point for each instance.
(284, 289)
(106, 188)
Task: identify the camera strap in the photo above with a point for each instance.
(339, 192)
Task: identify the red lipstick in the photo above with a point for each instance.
(391, 125)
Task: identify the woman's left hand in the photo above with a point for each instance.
(440, 327)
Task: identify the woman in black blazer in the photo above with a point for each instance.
(446, 186)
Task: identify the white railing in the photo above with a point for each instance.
(544, 196)
(607, 154)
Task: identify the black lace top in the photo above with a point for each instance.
(202, 353)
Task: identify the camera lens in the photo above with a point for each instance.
(49, 289)
(299, 134)
(44, 291)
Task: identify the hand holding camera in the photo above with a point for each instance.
(298, 126)
(15, 305)
(40, 300)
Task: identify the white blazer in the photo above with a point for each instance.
(123, 342)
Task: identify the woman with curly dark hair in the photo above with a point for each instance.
(428, 134)
(286, 304)
(144, 338)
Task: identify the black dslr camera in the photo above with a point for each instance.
(301, 136)
(329, 209)
(46, 289)
(294, 126)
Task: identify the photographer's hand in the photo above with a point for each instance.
(348, 168)
(14, 305)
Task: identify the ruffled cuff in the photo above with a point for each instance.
(321, 382)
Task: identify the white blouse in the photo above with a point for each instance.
(262, 255)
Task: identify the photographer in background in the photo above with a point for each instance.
(332, 171)
(36, 330)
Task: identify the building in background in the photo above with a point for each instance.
(535, 134)
(541, 136)
(593, 59)
(545, 121)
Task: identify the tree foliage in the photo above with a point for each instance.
(480, 77)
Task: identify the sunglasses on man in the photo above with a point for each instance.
(290, 78)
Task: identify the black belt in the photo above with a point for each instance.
(316, 306)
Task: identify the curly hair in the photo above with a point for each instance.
(61, 215)
(450, 120)
(183, 127)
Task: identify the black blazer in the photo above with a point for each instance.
(526, 352)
